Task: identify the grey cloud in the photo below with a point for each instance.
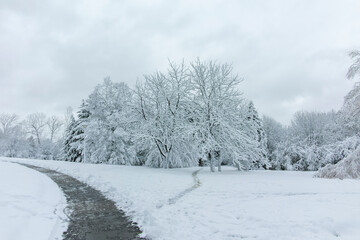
(292, 54)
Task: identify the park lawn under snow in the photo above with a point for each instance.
(31, 205)
(227, 205)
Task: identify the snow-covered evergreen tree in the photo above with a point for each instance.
(74, 139)
(70, 154)
(257, 132)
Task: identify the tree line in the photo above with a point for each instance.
(315, 139)
(38, 136)
(190, 115)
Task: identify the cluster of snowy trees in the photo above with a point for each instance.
(316, 139)
(192, 114)
(38, 136)
(349, 167)
(187, 116)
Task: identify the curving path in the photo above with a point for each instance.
(91, 215)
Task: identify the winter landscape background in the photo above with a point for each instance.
(192, 115)
(205, 120)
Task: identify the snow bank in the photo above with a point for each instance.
(346, 168)
(263, 205)
(31, 205)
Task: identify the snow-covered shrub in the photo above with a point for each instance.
(337, 151)
(288, 156)
(346, 168)
(292, 156)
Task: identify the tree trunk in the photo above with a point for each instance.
(211, 162)
(218, 159)
(237, 164)
(165, 162)
(38, 138)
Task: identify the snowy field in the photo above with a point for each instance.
(31, 205)
(228, 205)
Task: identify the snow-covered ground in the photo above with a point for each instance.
(228, 205)
(31, 205)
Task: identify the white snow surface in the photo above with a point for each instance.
(279, 205)
(31, 205)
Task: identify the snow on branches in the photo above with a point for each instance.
(189, 115)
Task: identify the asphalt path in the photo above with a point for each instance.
(91, 215)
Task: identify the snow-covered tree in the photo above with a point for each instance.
(304, 127)
(350, 110)
(349, 167)
(9, 134)
(14, 143)
(70, 153)
(74, 136)
(275, 133)
(54, 124)
(7, 121)
(257, 132)
(107, 136)
(220, 130)
(161, 111)
(307, 142)
(35, 124)
(354, 68)
(351, 107)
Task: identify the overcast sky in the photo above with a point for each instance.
(291, 54)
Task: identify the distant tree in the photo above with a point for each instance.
(35, 124)
(68, 116)
(33, 147)
(309, 127)
(14, 144)
(275, 133)
(54, 124)
(7, 121)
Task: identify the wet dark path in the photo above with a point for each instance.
(92, 216)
